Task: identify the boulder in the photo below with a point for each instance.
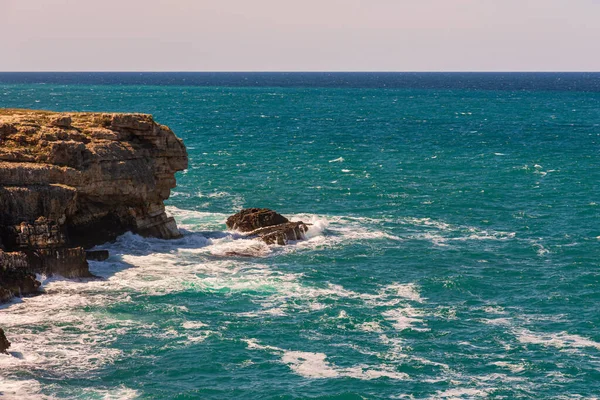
(267, 225)
(251, 219)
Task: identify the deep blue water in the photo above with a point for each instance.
(454, 251)
(565, 81)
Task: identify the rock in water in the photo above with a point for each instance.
(4, 343)
(267, 225)
(72, 181)
(251, 219)
(97, 255)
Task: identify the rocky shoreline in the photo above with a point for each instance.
(69, 181)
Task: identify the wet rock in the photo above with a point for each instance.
(281, 234)
(5, 295)
(97, 255)
(16, 279)
(66, 262)
(267, 225)
(4, 343)
(251, 219)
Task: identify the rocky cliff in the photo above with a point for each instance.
(71, 181)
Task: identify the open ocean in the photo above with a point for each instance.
(454, 251)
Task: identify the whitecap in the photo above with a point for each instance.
(494, 310)
(316, 366)
(371, 326)
(193, 325)
(405, 318)
(461, 393)
(561, 340)
(498, 321)
(310, 365)
(409, 291)
(514, 368)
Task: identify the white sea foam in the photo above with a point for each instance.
(498, 321)
(235, 201)
(462, 393)
(162, 272)
(494, 310)
(371, 326)
(68, 333)
(78, 336)
(21, 389)
(444, 240)
(316, 365)
(514, 368)
(395, 347)
(330, 231)
(324, 231)
(407, 291)
(120, 393)
(540, 249)
(443, 234)
(428, 222)
(405, 318)
(561, 340)
(193, 325)
(310, 365)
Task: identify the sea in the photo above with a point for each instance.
(453, 251)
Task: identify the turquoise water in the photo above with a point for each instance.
(453, 253)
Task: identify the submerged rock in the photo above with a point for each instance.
(4, 343)
(69, 182)
(267, 225)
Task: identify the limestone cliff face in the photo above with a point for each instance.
(69, 181)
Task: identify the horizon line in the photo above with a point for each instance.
(309, 71)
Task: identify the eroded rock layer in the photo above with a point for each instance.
(69, 181)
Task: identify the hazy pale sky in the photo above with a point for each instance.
(306, 35)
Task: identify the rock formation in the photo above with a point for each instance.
(72, 181)
(4, 343)
(267, 225)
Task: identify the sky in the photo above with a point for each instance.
(293, 35)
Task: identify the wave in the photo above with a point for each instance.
(79, 335)
(68, 333)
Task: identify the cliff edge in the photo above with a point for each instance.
(69, 181)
